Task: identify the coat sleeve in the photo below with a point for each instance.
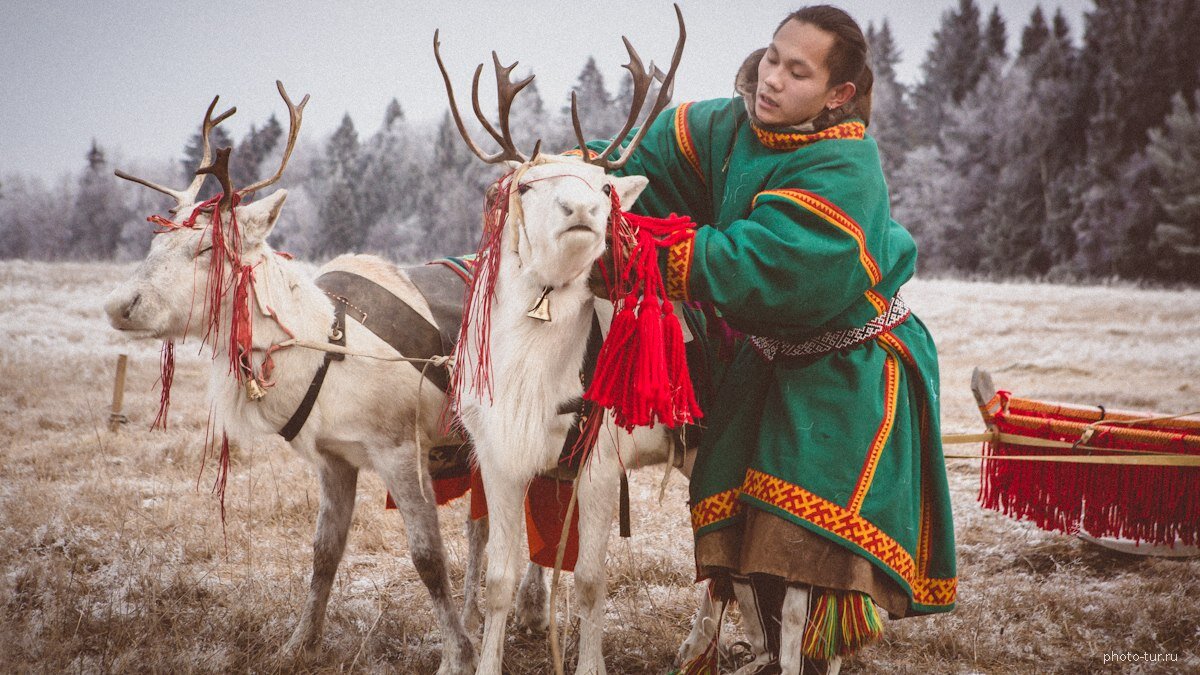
(808, 249)
(669, 156)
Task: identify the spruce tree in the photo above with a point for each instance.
(1174, 151)
(98, 213)
(996, 35)
(952, 68)
(891, 115)
(342, 229)
(1034, 35)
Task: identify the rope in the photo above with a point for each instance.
(447, 361)
(1135, 458)
(555, 651)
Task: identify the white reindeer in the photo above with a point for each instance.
(366, 415)
(554, 233)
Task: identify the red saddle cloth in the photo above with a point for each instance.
(1154, 504)
(546, 503)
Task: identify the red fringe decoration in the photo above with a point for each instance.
(241, 328)
(641, 373)
(1155, 504)
(222, 475)
(166, 378)
(477, 305)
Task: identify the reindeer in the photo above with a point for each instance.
(512, 385)
(366, 415)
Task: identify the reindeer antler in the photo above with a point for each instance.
(188, 196)
(642, 79)
(506, 92)
(295, 112)
(220, 169)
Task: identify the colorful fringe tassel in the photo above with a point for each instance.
(839, 624)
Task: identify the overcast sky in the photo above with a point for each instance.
(136, 75)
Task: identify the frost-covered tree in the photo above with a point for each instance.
(31, 220)
(98, 214)
(342, 228)
(1174, 151)
(599, 116)
(996, 36)
(891, 115)
(952, 67)
(1133, 61)
(1035, 34)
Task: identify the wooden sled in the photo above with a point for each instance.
(1129, 481)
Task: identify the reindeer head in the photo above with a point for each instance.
(560, 214)
(192, 263)
(558, 208)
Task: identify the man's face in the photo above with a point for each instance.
(793, 78)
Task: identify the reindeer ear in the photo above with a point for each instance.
(629, 188)
(258, 218)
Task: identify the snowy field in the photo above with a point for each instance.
(113, 559)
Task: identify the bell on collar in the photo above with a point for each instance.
(541, 308)
(254, 390)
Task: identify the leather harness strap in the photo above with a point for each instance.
(390, 318)
(337, 336)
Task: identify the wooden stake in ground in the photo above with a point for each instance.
(115, 418)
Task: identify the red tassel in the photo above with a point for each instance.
(641, 375)
(166, 377)
(612, 361)
(241, 330)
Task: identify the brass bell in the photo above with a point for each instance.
(254, 390)
(541, 308)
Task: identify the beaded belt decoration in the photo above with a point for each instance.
(771, 348)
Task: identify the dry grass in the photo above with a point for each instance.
(113, 557)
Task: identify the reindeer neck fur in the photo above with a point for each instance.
(535, 367)
(303, 309)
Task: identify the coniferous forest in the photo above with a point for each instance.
(1066, 157)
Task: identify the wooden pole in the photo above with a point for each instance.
(116, 419)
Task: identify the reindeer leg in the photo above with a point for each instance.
(704, 625)
(532, 600)
(428, 555)
(598, 494)
(477, 536)
(339, 481)
(505, 520)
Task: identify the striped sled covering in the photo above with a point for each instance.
(1157, 502)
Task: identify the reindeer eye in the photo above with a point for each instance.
(607, 189)
(523, 188)
(204, 250)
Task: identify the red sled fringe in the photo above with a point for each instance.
(1153, 504)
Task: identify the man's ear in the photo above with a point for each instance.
(840, 95)
(258, 218)
(629, 188)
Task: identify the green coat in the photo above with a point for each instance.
(794, 240)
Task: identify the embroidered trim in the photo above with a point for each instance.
(776, 140)
(891, 378)
(830, 213)
(679, 269)
(877, 301)
(772, 348)
(853, 528)
(683, 138)
(714, 509)
(901, 348)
